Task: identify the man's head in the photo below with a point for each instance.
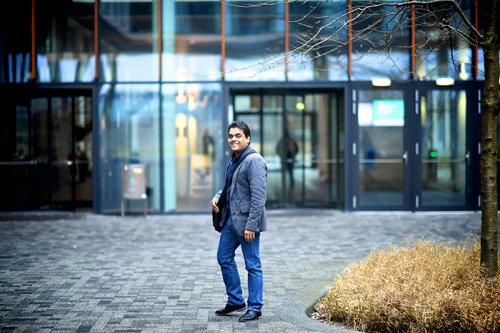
(238, 136)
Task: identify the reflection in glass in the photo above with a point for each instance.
(253, 122)
(191, 40)
(319, 23)
(64, 170)
(15, 46)
(129, 134)
(443, 148)
(129, 49)
(83, 150)
(255, 35)
(65, 41)
(437, 53)
(193, 141)
(294, 134)
(38, 166)
(27, 180)
(40, 153)
(272, 131)
(381, 149)
(381, 43)
(247, 103)
(320, 149)
(272, 103)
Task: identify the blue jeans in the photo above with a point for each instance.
(228, 243)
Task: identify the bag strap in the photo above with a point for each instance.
(222, 199)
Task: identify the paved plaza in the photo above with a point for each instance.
(93, 273)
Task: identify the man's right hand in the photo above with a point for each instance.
(213, 203)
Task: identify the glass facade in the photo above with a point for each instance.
(381, 42)
(193, 138)
(65, 41)
(328, 39)
(128, 30)
(156, 82)
(15, 49)
(191, 40)
(442, 54)
(254, 41)
(129, 135)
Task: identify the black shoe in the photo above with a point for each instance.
(250, 315)
(230, 309)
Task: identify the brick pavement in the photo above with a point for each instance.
(96, 273)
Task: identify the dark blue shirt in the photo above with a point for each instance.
(231, 167)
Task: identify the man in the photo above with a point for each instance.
(244, 218)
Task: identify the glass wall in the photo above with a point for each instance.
(193, 145)
(129, 134)
(255, 41)
(128, 37)
(191, 40)
(187, 152)
(318, 38)
(65, 41)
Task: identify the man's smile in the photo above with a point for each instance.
(237, 140)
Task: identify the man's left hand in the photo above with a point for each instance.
(249, 235)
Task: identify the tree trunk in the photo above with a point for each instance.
(490, 109)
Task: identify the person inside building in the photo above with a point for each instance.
(287, 148)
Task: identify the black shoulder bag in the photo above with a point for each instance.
(217, 217)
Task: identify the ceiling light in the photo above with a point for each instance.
(445, 81)
(381, 82)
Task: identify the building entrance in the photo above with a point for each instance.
(46, 151)
(412, 149)
(297, 132)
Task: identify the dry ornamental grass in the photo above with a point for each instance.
(424, 288)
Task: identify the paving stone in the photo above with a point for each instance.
(94, 273)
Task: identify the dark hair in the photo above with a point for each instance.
(242, 126)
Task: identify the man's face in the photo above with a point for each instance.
(237, 140)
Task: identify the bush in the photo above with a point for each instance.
(424, 288)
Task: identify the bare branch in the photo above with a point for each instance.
(452, 3)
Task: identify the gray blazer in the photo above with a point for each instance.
(248, 195)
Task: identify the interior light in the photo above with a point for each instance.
(445, 81)
(300, 106)
(381, 82)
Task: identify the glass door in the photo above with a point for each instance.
(45, 161)
(380, 150)
(296, 133)
(445, 156)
